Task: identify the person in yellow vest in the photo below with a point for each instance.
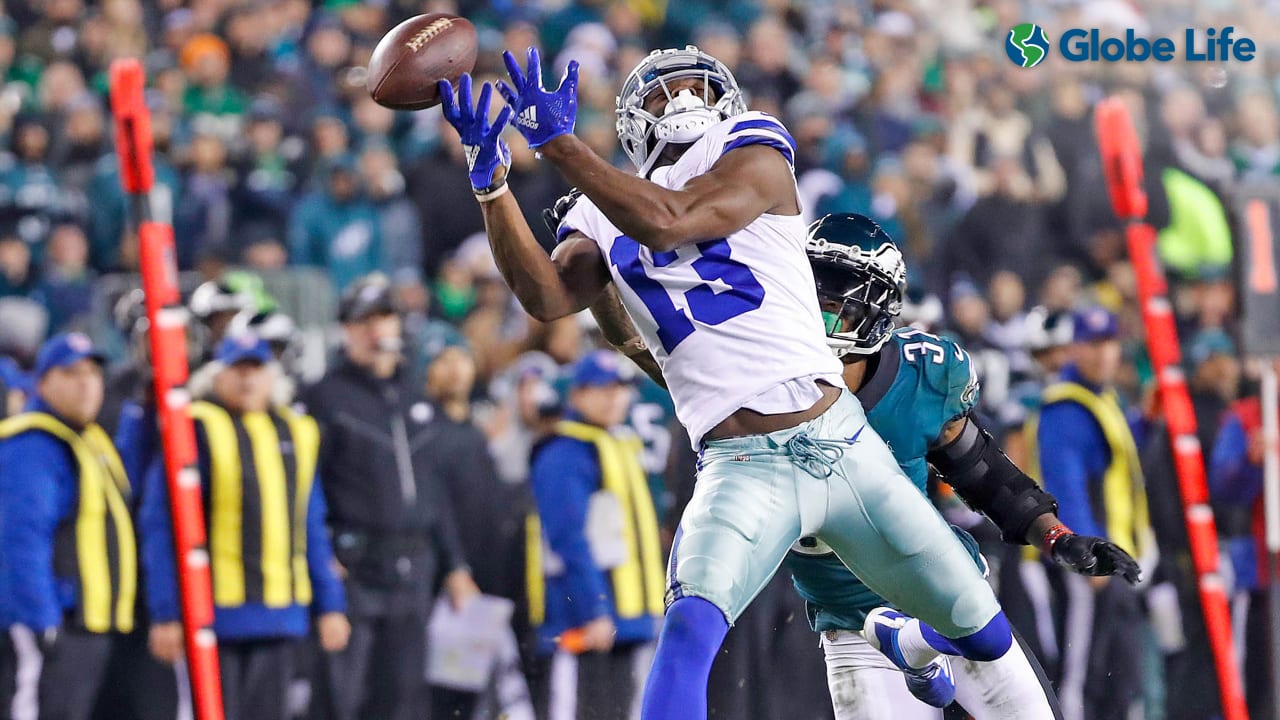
(1088, 459)
(68, 559)
(596, 589)
(271, 562)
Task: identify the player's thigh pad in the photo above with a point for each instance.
(736, 530)
(890, 535)
(864, 685)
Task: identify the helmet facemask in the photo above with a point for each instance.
(858, 305)
(686, 116)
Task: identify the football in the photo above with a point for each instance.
(415, 55)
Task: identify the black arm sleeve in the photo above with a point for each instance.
(988, 481)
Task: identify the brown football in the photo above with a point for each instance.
(415, 55)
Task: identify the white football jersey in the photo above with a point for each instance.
(727, 320)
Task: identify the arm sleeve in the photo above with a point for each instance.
(1064, 433)
(30, 470)
(158, 561)
(563, 476)
(1232, 478)
(328, 594)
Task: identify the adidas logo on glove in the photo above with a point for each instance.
(528, 118)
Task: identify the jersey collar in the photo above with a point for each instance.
(875, 388)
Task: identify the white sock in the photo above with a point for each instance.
(915, 649)
(1003, 688)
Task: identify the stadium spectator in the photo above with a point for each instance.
(398, 225)
(1256, 151)
(1086, 451)
(391, 517)
(68, 574)
(271, 573)
(111, 246)
(1235, 486)
(267, 175)
(32, 197)
(448, 214)
(16, 274)
(527, 409)
(75, 150)
(336, 227)
(491, 513)
(202, 224)
(603, 575)
(67, 282)
(212, 102)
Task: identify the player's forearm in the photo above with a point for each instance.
(990, 483)
(647, 212)
(649, 366)
(1040, 527)
(528, 271)
(622, 334)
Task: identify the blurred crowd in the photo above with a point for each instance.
(289, 188)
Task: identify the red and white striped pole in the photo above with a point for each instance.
(167, 334)
(1122, 165)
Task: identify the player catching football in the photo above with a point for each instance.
(706, 250)
(918, 391)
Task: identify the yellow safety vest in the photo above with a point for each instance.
(105, 548)
(1124, 494)
(258, 498)
(638, 582)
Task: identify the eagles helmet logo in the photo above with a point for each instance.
(861, 279)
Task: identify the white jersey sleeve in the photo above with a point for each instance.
(758, 128)
(732, 322)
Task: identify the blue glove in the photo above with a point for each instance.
(485, 148)
(540, 115)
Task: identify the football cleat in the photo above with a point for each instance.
(933, 684)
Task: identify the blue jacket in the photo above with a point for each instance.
(39, 488)
(1235, 480)
(564, 474)
(253, 619)
(1074, 459)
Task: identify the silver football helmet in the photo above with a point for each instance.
(687, 116)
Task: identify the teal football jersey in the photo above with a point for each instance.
(650, 417)
(922, 382)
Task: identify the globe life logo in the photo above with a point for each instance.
(1027, 45)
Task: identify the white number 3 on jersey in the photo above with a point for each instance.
(911, 351)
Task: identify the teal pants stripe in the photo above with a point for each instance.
(754, 498)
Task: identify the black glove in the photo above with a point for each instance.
(553, 215)
(1094, 556)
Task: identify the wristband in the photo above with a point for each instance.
(490, 194)
(1052, 535)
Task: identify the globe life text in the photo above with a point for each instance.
(1080, 45)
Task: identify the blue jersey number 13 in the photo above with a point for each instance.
(705, 304)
